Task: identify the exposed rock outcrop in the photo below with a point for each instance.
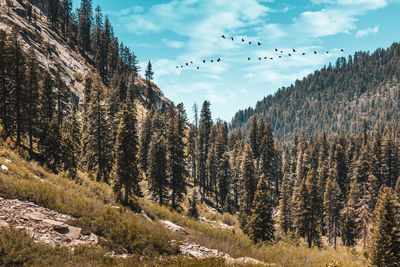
(197, 251)
(45, 225)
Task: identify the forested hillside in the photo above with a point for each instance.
(339, 97)
(135, 179)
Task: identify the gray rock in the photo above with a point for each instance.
(173, 227)
(73, 232)
(36, 216)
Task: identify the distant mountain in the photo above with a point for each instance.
(336, 98)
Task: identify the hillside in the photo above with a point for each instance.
(55, 51)
(108, 234)
(338, 97)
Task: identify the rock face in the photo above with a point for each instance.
(45, 225)
(53, 51)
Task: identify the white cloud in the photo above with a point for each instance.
(364, 4)
(325, 22)
(172, 43)
(319, 2)
(367, 31)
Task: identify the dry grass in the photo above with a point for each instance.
(90, 202)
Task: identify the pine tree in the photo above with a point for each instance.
(51, 145)
(157, 170)
(17, 82)
(223, 178)
(66, 16)
(261, 223)
(149, 75)
(308, 209)
(126, 164)
(285, 207)
(348, 226)
(175, 149)
(192, 138)
(389, 172)
(385, 240)
(332, 207)
(98, 141)
(5, 100)
(71, 143)
(63, 97)
(203, 143)
(193, 212)
(248, 183)
(254, 137)
(32, 100)
(85, 24)
(52, 10)
(267, 158)
(47, 99)
(145, 139)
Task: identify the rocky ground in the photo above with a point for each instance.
(45, 225)
(197, 251)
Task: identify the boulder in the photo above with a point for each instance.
(73, 232)
(60, 227)
(36, 216)
(173, 227)
(4, 168)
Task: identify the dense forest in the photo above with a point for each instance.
(342, 186)
(338, 97)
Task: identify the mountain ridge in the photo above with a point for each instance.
(363, 87)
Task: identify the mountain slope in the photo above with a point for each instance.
(335, 98)
(54, 51)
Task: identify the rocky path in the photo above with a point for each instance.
(45, 225)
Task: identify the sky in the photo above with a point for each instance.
(171, 33)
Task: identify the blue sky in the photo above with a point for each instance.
(173, 32)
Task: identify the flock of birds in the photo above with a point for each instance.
(279, 53)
